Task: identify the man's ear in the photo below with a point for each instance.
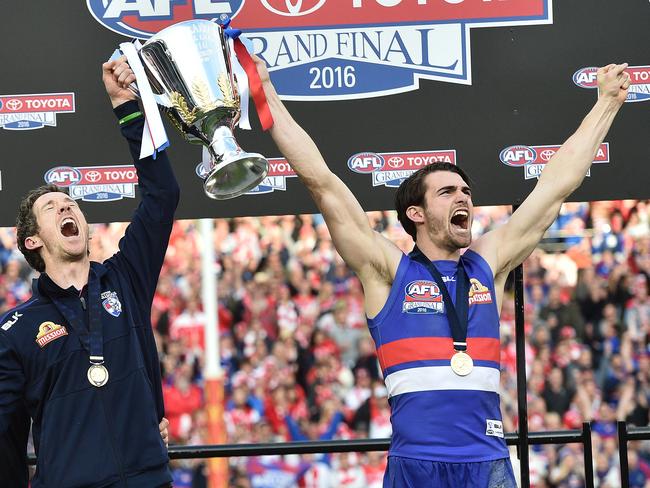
(33, 242)
(415, 213)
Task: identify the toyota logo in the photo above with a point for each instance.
(293, 8)
(93, 176)
(14, 104)
(546, 154)
(395, 162)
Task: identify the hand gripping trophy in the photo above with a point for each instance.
(188, 66)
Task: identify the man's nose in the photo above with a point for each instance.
(64, 207)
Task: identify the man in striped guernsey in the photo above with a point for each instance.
(440, 356)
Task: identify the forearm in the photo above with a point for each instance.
(566, 170)
(156, 179)
(339, 207)
(296, 145)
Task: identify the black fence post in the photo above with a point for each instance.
(522, 406)
(621, 428)
(588, 455)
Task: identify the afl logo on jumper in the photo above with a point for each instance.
(478, 293)
(422, 296)
(49, 331)
(111, 303)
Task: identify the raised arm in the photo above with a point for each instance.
(143, 247)
(370, 255)
(508, 246)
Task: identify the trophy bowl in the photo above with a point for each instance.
(188, 67)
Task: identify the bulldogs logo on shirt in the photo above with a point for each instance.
(478, 293)
(111, 303)
(423, 297)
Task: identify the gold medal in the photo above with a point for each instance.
(97, 375)
(461, 363)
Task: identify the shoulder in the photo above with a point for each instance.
(13, 316)
(487, 248)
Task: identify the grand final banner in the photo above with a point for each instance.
(383, 86)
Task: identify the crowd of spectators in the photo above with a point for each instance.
(299, 363)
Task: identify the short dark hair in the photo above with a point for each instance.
(26, 224)
(412, 190)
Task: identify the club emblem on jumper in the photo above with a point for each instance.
(478, 293)
(341, 49)
(49, 331)
(639, 90)
(189, 68)
(423, 296)
(27, 112)
(111, 303)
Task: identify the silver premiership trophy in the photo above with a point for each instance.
(188, 67)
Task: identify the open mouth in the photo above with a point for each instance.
(69, 227)
(460, 219)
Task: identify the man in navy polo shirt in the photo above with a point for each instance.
(80, 356)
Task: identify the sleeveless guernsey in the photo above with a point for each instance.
(437, 415)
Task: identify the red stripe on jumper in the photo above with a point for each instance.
(431, 348)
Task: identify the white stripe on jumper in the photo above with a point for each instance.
(441, 378)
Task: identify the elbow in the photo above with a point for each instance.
(175, 193)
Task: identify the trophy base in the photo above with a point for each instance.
(235, 176)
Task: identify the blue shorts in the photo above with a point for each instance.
(415, 473)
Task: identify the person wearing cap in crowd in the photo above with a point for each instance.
(440, 356)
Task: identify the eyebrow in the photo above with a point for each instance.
(454, 187)
(67, 199)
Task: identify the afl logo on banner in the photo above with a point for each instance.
(639, 90)
(390, 169)
(95, 183)
(534, 158)
(518, 155)
(341, 49)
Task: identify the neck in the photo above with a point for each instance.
(437, 253)
(67, 274)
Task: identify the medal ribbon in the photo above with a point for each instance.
(457, 315)
(93, 342)
(95, 319)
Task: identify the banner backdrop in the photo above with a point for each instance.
(383, 86)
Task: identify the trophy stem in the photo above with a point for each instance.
(233, 171)
(223, 144)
